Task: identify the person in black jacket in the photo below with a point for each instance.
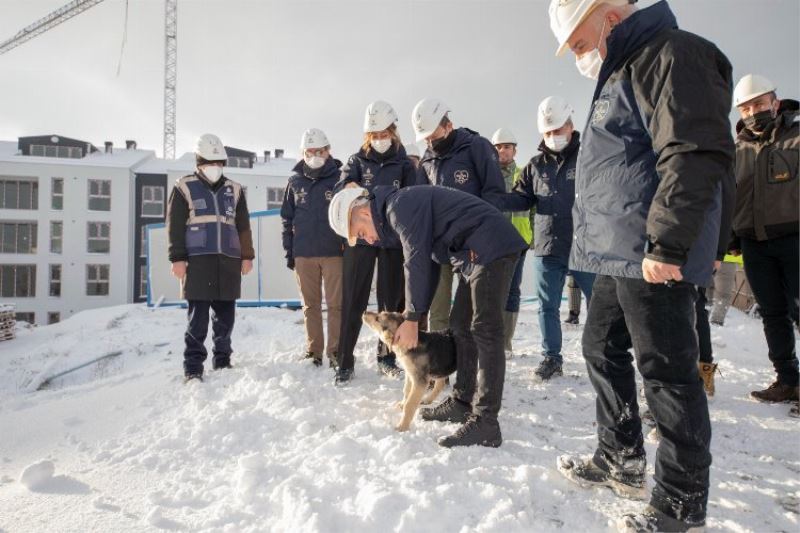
(210, 247)
(655, 155)
(435, 226)
(381, 160)
(312, 249)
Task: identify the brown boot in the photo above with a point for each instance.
(776, 393)
(707, 371)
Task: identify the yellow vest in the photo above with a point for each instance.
(520, 219)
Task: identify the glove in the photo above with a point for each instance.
(290, 263)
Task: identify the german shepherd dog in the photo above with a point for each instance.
(434, 358)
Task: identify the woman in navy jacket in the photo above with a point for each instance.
(381, 160)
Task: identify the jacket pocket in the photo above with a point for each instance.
(196, 236)
(782, 166)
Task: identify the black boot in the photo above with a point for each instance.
(194, 376)
(343, 376)
(450, 410)
(651, 520)
(549, 367)
(477, 431)
(588, 472)
(387, 365)
(573, 318)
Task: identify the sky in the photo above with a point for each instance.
(257, 73)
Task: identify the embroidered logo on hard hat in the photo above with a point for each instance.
(461, 176)
(601, 108)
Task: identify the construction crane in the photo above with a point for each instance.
(77, 7)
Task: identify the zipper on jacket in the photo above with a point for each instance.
(219, 224)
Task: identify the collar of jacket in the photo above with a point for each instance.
(463, 138)
(213, 186)
(378, 198)
(788, 113)
(633, 33)
(568, 150)
(329, 169)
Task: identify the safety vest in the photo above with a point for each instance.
(211, 227)
(519, 219)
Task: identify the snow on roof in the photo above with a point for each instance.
(185, 164)
(119, 158)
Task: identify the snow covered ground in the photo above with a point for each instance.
(271, 445)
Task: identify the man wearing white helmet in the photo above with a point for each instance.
(210, 247)
(505, 143)
(312, 249)
(656, 156)
(435, 226)
(766, 221)
(548, 183)
(380, 161)
(458, 158)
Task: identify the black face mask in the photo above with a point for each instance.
(441, 146)
(760, 121)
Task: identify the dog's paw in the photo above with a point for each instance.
(401, 427)
(399, 405)
(426, 401)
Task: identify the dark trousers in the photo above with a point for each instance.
(703, 327)
(658, 321)
(771, 267)
(514, 292)
(476, 320)
(358, 270)
(222, 326)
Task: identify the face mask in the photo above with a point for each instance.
(442, 143)
(314, 162)
(556, 142)
(589, 63)
(760, 121)
(381, 145)
(212, 172)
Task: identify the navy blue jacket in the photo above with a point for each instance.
(654, 153)
(436, 226)
(369, 169)
(306, 232)
(470, 165)
(548, 183)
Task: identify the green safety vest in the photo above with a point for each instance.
(522, 220)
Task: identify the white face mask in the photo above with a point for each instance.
(314, 162)
(381, 145)
(589, 64)
(556, 142)
(212, 173)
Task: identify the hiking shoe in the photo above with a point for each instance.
(315, 359)
(343, 376)
(549, 367)
(707, 371)
(450, 410)
(221, 364)
(795, 410)
(194, 376)
(586, 472)
(476, 431)
(387, 366)
(333, 360)
(776, 393)
(573, 319)
(651, 520)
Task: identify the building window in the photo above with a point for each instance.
(17, 281)
(143, 243)
(97, 277)
(55, 280)
(53, 318)
(19, 193)
(57, 194)
(72, 152)
(239, 162)
(99, 237)
(274, 197)
(30, 318)
(18, 237)
(152, 201)
(143, 281)
(56, 236)
(100, 195)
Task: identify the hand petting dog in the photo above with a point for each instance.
(407, 335)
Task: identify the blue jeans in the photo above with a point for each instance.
(514, 293)
(551, 272)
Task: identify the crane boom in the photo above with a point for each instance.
(170, 74)
(62, 14)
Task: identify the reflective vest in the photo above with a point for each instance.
(211, 227)
(519, 219)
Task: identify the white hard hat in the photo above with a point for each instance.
(503, 136)
(314, 138)
(339, 211)
(210, 148)
(379, 116)
(566, 16)
(411, 150)
(751, 86)
(426, 116)
(553, 113)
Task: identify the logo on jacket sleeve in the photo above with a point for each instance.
(601, 108)
(461, 176)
